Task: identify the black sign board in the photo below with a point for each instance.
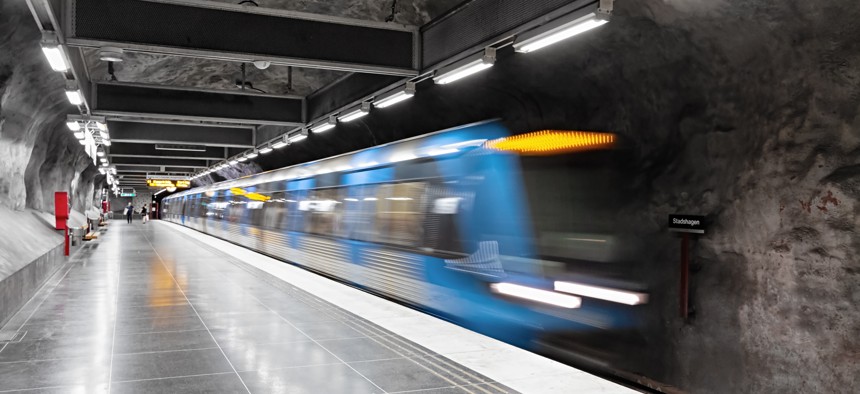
(687, 224)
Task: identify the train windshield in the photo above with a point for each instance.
(573, 201)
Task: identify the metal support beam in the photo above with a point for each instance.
(143, 150)
(145, 133)
(113, 99)
(281, 38)
(145, 161)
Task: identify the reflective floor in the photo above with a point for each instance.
(156, 311)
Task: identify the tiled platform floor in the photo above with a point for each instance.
(146, 311)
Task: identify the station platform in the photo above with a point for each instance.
(159, 308)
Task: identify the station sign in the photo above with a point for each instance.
(179, 184)
(687, 224)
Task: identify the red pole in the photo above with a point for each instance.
(685, 275)
(67, 241)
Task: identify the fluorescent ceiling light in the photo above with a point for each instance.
(74, 97)
(73, 125)
(266, 149)
(55, 58)
(101, 126)
(105, 142)
(54, 52)
(80, 135)
(299, 136)
(355, 113)
(603, 293)
(344, 168)
(466, 67)
(320, 127)
(233, 162)
(530, 293)
(252, 154)
(402, 95)
(555, 31)
(100, 153)
(281, 143)
(243, 158)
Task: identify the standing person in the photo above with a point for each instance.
(145, 212)
(129, 212)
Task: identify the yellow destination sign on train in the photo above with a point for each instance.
(168, 183)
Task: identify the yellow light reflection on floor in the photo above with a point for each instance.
(551, 142)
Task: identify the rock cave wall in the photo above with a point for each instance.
(38, 154)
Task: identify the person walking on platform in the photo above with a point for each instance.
(145, 213)
(129, 212)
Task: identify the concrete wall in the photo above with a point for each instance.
(18, 288)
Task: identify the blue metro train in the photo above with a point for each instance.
(511, 236)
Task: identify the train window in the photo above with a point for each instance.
(274, 210)
(440, 227)
(323, 209)
(293, 220)
(400, 213)
(359, 210)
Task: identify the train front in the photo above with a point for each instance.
(548, 263)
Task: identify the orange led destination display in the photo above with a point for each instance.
(550, 142)
(168, 183)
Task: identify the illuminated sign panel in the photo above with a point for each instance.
(168, 183)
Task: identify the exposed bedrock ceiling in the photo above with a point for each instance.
(215, 74)
(209, 74)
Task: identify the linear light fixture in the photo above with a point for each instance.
(266, 149)
(558, 30)
(466, 67)
(252, 154)
(327, 125)
(176, 147)
(298, 136)
(73, 125)
(73, 93)
(400, 95)
(233, 162)
(105, 141)
(355, 113)
(539, 295)
(53, 51)
(80, 135)
(242, 159)
(602, 293)
(281, 142)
